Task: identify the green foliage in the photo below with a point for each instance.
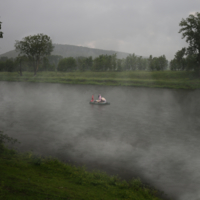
(84, 64)
(158, 63)
(21, 64)
(2, 66)
(142, 63)
(191, 62)
(119, 65)
(182, 61)
(7, 65)
(161, 79)
(53, 62)
(36, 160)
(131, 62)
(179, 62)
(105, 63)
(35, 47)
(3, 139)
(136, 184)
(102, 63)
(173, 65)
(190, 29)
(26, 176)
(67, 65)
(3, 58)
(1, 33)
(46, 65)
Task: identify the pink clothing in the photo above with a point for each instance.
(100, 97)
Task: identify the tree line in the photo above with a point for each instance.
(70, 64)
(23, 63)
(34, 55)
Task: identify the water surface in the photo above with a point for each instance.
(149, 133)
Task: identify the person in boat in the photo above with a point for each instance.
(92, 100)
(103, 99)
(99, 98)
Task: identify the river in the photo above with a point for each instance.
(149, 133)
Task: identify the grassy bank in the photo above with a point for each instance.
(29, 177)
(163, 79)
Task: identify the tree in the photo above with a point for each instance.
(131, 62)
(35, 47)
(179, 61)
(84, 63)
(81, 63)
(102, 63)
(89, 63)
(1, 33)
(2, 66)
(67, 65)
(191, 63)
(54, 60)
(163, 62)
(157, 63)
(9, 65)
(19, 62)
(150, 63)
(182, 62)
(173, 65)
(98, 64)
(113, 62)
(119, 65)
(191, 31)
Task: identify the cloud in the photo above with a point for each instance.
(143, 26)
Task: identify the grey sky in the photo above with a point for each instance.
(143, 27)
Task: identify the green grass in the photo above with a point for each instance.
(30, 177)
(159, 79)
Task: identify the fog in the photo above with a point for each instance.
(152, 134)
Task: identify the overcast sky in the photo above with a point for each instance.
(143, 27)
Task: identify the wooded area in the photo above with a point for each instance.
(37, 56)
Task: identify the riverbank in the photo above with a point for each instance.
(158, 79)
(25, 176)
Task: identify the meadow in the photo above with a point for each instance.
(157, 79)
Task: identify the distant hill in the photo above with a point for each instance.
(66, 50)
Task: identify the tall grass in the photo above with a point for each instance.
(161, 79)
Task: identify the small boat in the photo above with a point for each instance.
(99, 103)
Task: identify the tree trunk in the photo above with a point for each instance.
(35, 68)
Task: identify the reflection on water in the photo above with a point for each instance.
(147, 133)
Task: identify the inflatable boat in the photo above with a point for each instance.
(99, 103)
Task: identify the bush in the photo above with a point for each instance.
(67, 65)
(4, 138)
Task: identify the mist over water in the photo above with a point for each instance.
(149, 133)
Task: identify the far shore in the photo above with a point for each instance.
(156, 79)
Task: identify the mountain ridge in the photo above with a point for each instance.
(66, 50)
